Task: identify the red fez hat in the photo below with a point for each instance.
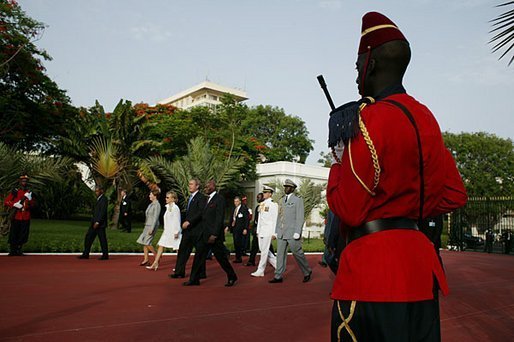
(377, 29)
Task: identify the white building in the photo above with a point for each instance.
(204, 94)
(278, 172)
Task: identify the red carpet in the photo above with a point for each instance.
(61, 298)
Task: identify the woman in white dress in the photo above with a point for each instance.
(151, 224)
(172, 234)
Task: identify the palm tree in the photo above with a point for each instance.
(200, 162)
(504, 31)
(39, 168)
(113, 146)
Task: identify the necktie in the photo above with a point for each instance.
(189, 202)
(285, 201)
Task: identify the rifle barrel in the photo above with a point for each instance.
(323, 85)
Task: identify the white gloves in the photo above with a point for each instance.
(28, 195)
(296, 236)
(18, 205)
(338, 149)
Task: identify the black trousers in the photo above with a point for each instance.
(189, 240)
(90, 238)
(219, 250)
(19, 234)
(126, 223)
(384, 322)
(239, 243)
(255, 248)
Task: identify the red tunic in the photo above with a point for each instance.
(393, 265)
(24, 213)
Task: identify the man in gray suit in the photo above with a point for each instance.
(289, 231)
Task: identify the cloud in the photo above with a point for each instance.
(331, 4)
(453, 5)
(150, 32)
(486, 71)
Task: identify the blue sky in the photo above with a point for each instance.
(145, 51)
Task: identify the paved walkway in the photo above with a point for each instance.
(60, 298)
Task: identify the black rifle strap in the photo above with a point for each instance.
(421, 172)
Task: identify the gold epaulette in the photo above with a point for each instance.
(372, 150)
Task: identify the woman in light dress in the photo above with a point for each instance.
(151, 224)
(172, 234)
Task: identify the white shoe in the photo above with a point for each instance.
(255, 274)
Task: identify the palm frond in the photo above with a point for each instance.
(503, 27)
(40, 169)
(104, 158)
(200, 162)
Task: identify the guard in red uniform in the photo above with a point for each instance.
(391, 170)
(20, 200)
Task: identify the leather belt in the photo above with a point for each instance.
(381, 225)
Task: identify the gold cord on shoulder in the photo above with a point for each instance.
(372, 150)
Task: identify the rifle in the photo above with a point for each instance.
(323, 85)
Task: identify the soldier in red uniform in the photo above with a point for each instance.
(21, 201)
(391, 170)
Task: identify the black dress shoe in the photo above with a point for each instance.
(275, 280)
(191, 283)
(231, 282)
(307, 277)
(250, 263)
(203, 276)
(83, 256)
(175, 276)
(103, 257)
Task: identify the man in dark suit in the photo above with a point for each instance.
(125, 212)
(191, 228)
(239, 227)
(213, 236)
(97, 227)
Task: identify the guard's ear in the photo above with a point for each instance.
(371, 66)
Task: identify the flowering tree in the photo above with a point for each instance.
(32, 107)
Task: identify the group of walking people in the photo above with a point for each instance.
(203, 229)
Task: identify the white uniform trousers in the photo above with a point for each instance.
(266, 255)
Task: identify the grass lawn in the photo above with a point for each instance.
(55, 236)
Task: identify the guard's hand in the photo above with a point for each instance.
(296, 236)
(212, 239)
(185, 224)
(245, 232)
(18, 205)
(28, 195)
